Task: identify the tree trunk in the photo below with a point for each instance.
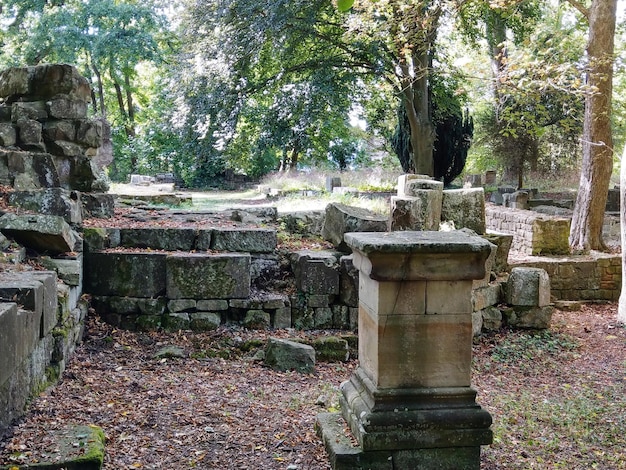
(597, 144)
(621, 309)
(417, 105)
(130, 127)
(103, 109)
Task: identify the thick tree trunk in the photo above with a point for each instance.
(417, 105)
(588, 218)
(621, 309)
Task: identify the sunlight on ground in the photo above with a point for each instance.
(224, 200)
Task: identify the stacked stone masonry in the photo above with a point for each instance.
(167, 278)
(41, 321)
(533, 233)
(48, 145)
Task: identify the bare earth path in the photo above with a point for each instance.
(558, 400)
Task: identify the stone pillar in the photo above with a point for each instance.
(409, 404)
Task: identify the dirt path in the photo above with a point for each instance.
(558, 400)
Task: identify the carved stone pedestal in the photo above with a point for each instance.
(409, 404)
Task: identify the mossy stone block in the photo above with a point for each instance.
(208, 276)
(125, 274)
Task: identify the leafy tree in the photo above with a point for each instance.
(107, 39)
(597, 140)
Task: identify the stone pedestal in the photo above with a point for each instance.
(409, 404)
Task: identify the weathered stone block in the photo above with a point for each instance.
(30, 136)
(152, 306)
(54, 130)
(169, 239)
(98, 205)
(331, 349)
(212, 305)
(83, 174)
(340, 219)
(529, 317)
(176, 321)
(282, 318)
(182, 305)
(322, 317)
(8, 134)
(99, 238)
(204, 321)
(64, 107)
(244, 240)
(492, 318)
(90, 133)
(316, 272)
(464, 207)
(477, 323)
(208, 276)
(550, 236)
(503, 241)
(486, 296)
(42, 233)
(348, 282)
(419, 211)
(43, 82)
(528, 287)
(32, 170)
(256, 320)
(64, 148)
(125, 274)
(50, 201)
(9, 336)
(284, 355)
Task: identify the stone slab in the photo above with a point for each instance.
(411, 255)
(42, 233)
(253, 240)
(125, 274)
(208, 276)
(169, 239)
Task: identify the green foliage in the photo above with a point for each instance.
(531, 346)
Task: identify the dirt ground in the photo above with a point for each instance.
(217, 408)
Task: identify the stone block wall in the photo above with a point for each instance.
(533, 233)
(41, 321)
(598, 277)
(49, 148)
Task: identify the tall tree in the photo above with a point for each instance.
(597, 141)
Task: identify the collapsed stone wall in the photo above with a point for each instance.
(597, 277)
(533, 233)
(51, 153)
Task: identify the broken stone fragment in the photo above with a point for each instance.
(42, 233)
(340, 219)
(284, 355)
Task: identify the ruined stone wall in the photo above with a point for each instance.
(533, 233)
(48, 146)
(598, 277)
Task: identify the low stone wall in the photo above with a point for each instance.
(199, 279)
(41, 321)
(594, 277)
(533, 233)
